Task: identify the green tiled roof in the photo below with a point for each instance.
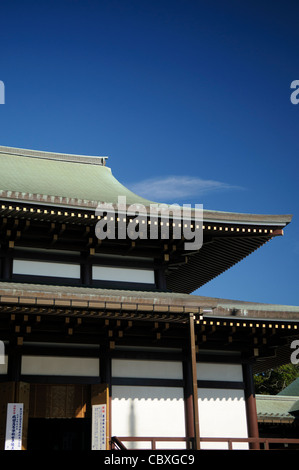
(38, 176)
(276, 407)
(58, 175)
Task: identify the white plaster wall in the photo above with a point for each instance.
(71, 366)
(105, 273)
(148, 412)
(45, 268)
(159, 411)
(222, 413)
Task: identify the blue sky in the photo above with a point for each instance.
(188, 97)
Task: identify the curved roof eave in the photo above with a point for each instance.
(85, 181)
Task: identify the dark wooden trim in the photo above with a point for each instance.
(144, 382)
(204, 356)
(106, 377)
(105, 365)
(192, 355)
(58, 351)
(60, 379)
(188, 398)
(6, 268)
(48, 280)
(147, 355)
(123, 285)
(4, 378)
(86, 271)
(14, 359)
(46, 255)
(160, 279)
(220, 384)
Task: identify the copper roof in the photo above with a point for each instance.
(85, 181)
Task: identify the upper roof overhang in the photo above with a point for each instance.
(67, 189)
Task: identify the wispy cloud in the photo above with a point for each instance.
(172, 188)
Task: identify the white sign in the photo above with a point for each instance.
(14, 425)
(98, 427)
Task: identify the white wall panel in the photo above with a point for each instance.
(45, 268)
(222, 413)
(147, 369)
(69, 366)
(105, 273)
(218, 371)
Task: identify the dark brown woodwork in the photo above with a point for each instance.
(252, 422)
(194, 382)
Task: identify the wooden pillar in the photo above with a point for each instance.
(86, 270)
(188, 398)
(160, 278)
(194, 381)
(252, 422)
(105, 372)
(14, 360)
(7, 261)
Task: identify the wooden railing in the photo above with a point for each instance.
(262, 443)
(116, 444)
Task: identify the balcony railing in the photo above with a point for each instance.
(262, 443)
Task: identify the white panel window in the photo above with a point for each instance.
(45, 268)
(48, 365)
(222, 413)
(147, 369)
(227, 372)
(146, 412)
(105, 273)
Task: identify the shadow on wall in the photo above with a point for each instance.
(132, 420)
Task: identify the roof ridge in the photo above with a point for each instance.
(74, 158)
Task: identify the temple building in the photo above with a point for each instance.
(104, 342)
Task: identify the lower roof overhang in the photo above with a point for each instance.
(263, 331)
